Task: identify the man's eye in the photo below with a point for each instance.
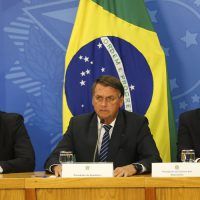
(99, 98)
(110, 99)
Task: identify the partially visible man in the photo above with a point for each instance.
(189, 132)
(16, 151)
(130, 145)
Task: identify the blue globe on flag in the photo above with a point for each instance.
(108, 55)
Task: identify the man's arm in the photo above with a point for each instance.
(146, 147)
(66, 144)
(23, 153)
(147, 153)
(184, 136)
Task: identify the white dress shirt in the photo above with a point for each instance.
(100, 128)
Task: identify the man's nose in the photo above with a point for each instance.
(104, 102)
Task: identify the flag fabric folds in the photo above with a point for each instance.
(116, 37)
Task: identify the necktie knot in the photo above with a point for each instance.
(107, 127)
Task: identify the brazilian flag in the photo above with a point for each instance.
(116, 37)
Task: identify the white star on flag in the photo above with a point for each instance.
(87, 71)
(132, 87)
(82, 82)
(82, 73)
(80, 57)
(82, 106)
(99, 45)
(102, 69)
(86, 59)
(91, 62)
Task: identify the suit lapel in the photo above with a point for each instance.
(117, 137)
(92, 136)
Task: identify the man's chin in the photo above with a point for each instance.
(103, 116)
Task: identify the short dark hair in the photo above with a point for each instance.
(110, 81)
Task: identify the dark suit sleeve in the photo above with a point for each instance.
(146, 147)
(66, 144)
(184, 135)
(23, 156)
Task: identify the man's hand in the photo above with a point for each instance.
(128, 170)
(57, 169)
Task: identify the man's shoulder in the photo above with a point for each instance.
(5, 116)
(132, 117)
(84, 117)
(191, 114)
(9, 123)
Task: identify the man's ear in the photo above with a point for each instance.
(92, 101)
(121, 101)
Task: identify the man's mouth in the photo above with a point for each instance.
(103, 110)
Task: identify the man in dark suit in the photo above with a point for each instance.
(189, 132)
(131, 146)
(16, 151)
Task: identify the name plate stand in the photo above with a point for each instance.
(77, 170)
(176, 169)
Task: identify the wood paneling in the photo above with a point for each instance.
(178, 194)
(91, 194)
(130, 182)
(12, 194)
(172, 182)
(11, 183)
(37, 186)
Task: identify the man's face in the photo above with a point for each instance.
(106, 102)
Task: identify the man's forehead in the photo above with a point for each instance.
(102, 88)
(99, 86)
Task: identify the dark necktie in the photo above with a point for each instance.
(105, 144)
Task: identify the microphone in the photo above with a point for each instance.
(99, 132)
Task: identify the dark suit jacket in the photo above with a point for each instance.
(16, 151)
(189, 132)
(131, 141)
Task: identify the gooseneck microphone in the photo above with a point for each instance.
(98, 136)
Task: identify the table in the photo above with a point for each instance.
(38, 186)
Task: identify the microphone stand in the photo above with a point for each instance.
(99, 132)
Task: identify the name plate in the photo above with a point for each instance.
(77, 170)
(176, 169)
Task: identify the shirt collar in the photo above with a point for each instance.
(112, 123)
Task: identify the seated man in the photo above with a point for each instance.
(16, 151)
(189, 132)
(129, 144)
